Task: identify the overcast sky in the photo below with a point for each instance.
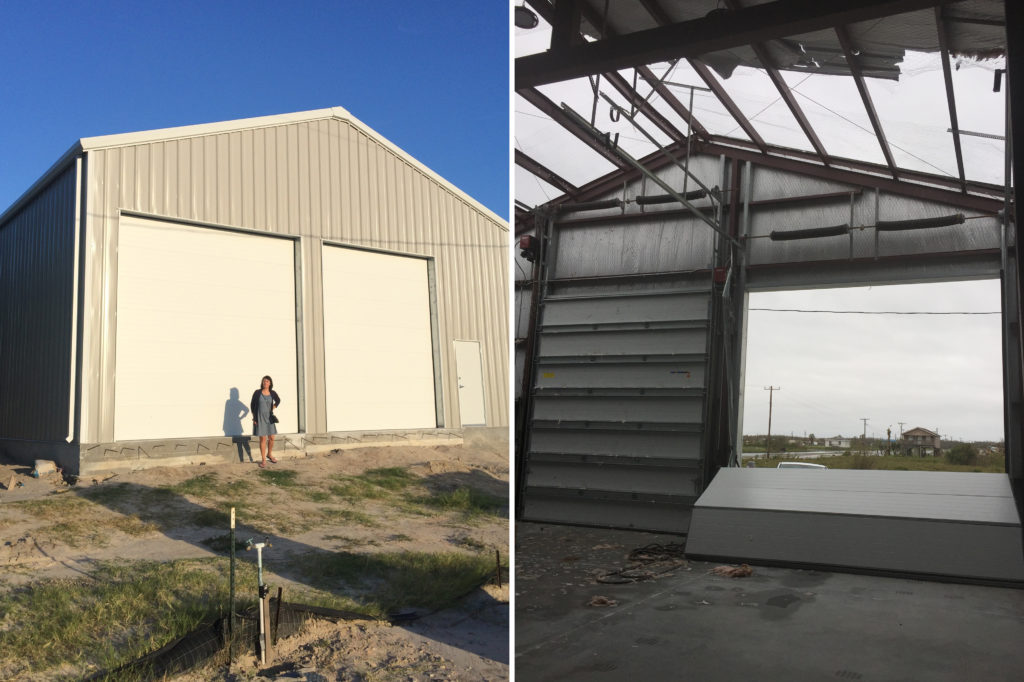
(941, 372)
(430, 77)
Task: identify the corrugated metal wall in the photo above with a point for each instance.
(865, 210)
(325, 179)
(36, 299)
(616, 423)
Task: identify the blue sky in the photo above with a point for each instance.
(430, 77)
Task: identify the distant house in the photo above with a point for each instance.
(837, 442)
(920, 442)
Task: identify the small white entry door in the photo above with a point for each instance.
(471, 384)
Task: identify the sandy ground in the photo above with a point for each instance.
(469, 641)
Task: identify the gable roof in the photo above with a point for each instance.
(919, 431)
(87, 144)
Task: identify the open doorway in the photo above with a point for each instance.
(904, 377)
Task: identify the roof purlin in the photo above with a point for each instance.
(537, 99)
(785, 92)
(538, 169)
(865, 95)
(947, 77)
(705, 73)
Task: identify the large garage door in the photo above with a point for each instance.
(377, 344)
(202, 314)
(618, 405)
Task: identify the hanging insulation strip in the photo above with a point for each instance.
(920, 224)
(668, 198)
(810, 233)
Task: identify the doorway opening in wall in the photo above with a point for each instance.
(904, 377)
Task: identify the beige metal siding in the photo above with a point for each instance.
(36, 301)
(325, 179)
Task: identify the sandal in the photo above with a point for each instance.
(263, 465)
(272, 460)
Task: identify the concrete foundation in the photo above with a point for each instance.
(96, 458)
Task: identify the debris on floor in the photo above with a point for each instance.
(647, 563)
(598, 600)
(741, 571)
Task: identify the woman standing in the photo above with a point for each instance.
(264, 400)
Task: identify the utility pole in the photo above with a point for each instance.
(768, 443)
(900, 449)
(864, 437)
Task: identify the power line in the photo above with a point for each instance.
(873, 312)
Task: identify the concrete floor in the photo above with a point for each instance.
(778, 624)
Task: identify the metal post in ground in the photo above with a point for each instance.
(231, 593)
(263, 590)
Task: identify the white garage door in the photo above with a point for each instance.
(202, 315)
(377, 343)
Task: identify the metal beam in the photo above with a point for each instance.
(901, 187)
(787, 95)
(629, 92)
(672, 101)
(556, 114)
(565, 25)
(643, 106)
(862, 87)
(705, 73)
(544, 173)
(947, 76)
(719, 31)
(867, 167)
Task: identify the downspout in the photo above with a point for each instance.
(75, 271)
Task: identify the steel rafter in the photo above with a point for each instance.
(787, 95)
(857, 173)
(549, 176)
(556, 114)
(705, 73)
(719, 31)
(545, 9)
(643, 106)
(672, 101)
(901, 187)
(865, 96)
(947, 76)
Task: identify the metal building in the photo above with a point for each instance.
(148, 280)
(650, 204)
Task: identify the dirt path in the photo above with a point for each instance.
(137, 519)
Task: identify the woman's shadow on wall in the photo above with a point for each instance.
(234, 412)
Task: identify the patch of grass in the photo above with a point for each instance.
(352, 542)
(282, 478)
(348, 516)
(399, 537)
(994, 465)
(222, 544)
(353, 490)
(202, 485)
(373, 483)
(467, 542)
(211, 518)
(390, 478)
(318, 495)
(120, 612)
(403, 579)
(469, 501)
(109, 495)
